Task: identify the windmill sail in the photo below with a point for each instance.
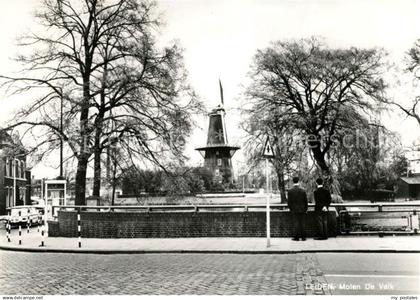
(221, 92)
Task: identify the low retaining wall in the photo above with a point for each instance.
(181, 224)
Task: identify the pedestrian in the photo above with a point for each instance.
(297, 201)
(322, 198)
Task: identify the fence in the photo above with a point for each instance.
(352, 218)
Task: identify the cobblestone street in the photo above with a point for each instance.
(33, 273)
(23, 273)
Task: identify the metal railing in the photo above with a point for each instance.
(217, 207)
(348, 219)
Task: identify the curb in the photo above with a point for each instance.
(132, 251)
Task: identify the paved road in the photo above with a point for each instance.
(370, 273)
(212, 274)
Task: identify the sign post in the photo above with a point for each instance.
(268, 153)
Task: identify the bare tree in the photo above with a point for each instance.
(143, 99)
(99, 58)
(413, 66)
(260, 124)
(314, 88)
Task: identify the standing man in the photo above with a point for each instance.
(297, 201)
(322, 202)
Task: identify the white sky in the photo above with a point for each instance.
(221, 36)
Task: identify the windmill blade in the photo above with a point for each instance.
(221, 92)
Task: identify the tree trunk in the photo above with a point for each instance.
(329, 181)
(97, 173)
(114, 173)
(83, 158)
(320, 161)
(281, 184)
(81, 181)
(97, 145)
(97, 152)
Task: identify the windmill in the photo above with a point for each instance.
(218, 153)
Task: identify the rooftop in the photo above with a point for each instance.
(411, 180)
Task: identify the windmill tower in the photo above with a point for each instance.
(218, 153)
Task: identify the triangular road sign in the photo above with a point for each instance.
(268, 150)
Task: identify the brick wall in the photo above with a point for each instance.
(180, 224)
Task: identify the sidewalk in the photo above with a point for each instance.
(32, 240)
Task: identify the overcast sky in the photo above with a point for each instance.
(221, 36)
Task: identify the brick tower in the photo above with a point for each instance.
(218, 153)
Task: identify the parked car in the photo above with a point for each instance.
(32, 214)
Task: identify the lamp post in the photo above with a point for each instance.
(14, 180)
(267, 154)
(267, 174)
(61, 135)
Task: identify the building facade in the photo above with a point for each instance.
(14, 177)
(408, 188)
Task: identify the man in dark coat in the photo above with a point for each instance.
(297, 202)
(322, 202)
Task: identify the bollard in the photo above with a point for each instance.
(42, 233)
(28, 222)
(7, 231)
(8, 227)
(9, 234)
(20, 234)
(20, 228)
(79, 229)
(42, 238)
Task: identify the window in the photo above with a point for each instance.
(7, 197)
(219, 162)
(22, 169)
(10, 168)
(22, 193)
(6, 167)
